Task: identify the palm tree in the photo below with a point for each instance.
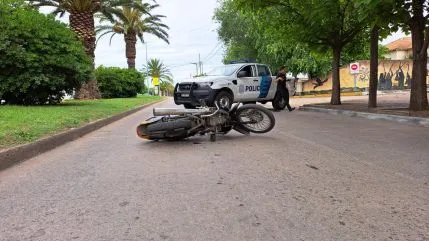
(167, 88)
(133, 23)
(81, 20)
(155, 68)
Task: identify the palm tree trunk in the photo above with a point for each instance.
(130, 49)
(82, 24)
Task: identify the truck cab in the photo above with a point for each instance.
(227, 84)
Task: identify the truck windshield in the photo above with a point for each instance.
(225, 70)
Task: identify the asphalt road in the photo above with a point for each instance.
(314, 177)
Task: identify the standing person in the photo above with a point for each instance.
(281, 85)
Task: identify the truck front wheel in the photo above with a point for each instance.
(223, 100)
(188, 106)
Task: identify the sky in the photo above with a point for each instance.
(192, 33)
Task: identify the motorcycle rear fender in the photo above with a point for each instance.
(239, 128)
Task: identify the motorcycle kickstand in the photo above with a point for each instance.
(213, 137)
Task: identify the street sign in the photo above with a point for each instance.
(155, 81)
(354, 68)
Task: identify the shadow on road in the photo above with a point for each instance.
(221, 139)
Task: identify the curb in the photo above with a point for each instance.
(327, 95)
(18, 154)
(372, 116)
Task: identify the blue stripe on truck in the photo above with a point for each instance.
(265, 84)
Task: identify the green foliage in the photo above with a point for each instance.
(167, 86)
(115, 82)
(134, 21)
(265, 33)
(234, 33)
(40, 59)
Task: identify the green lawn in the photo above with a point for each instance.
(20, 124)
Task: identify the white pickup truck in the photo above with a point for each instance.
(231, 83)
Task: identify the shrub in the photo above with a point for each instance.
(40, 58)
(117, 82)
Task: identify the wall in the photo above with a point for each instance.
(392, 74)
(400, 55)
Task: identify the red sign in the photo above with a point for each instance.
(354, 68)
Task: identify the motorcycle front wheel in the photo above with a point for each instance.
(255, 118)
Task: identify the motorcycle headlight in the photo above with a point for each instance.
(205, 84)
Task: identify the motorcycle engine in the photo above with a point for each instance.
(218, 120)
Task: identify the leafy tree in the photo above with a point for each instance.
(117, 82)
(415, 18)
(133, 23)
(81, 20)
(324, 25)
(234, 33)
(380, 25)
(156, 68)
(40, 59)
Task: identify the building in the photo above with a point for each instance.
(400, 49)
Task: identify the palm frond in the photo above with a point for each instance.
(105, 33)
(140, 36)
(101, 28)
(110, 41)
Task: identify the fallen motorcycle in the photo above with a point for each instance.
(177, 124)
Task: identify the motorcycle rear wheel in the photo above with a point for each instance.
(169, 130)
(255, 118)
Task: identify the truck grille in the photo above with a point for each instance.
(185, 87)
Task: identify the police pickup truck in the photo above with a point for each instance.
(231, 83)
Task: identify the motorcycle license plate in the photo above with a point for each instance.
(185, 95)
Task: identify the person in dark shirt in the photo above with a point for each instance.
(281, 85)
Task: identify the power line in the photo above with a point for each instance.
(217, 45)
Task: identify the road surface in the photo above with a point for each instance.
(314, 177)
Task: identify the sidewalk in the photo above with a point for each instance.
(388, 104)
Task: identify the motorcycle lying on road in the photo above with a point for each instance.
(177, 124)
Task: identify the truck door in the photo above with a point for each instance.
(248, 83)
(264, 82)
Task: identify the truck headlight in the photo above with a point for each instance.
(205, 84)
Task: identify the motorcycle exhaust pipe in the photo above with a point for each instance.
(177, 111)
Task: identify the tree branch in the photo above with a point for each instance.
(426, 42)
(343, 15)
(352, 33)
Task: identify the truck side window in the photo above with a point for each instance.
(248, 69)
(263, 70)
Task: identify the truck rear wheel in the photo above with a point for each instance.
(279, 103)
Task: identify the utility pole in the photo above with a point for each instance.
(196, 67)
(199, 63)
(147, 71)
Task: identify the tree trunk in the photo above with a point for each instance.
(130, 49)
(82, 24)
(418, 98)
(373, 73)
(336, 89)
